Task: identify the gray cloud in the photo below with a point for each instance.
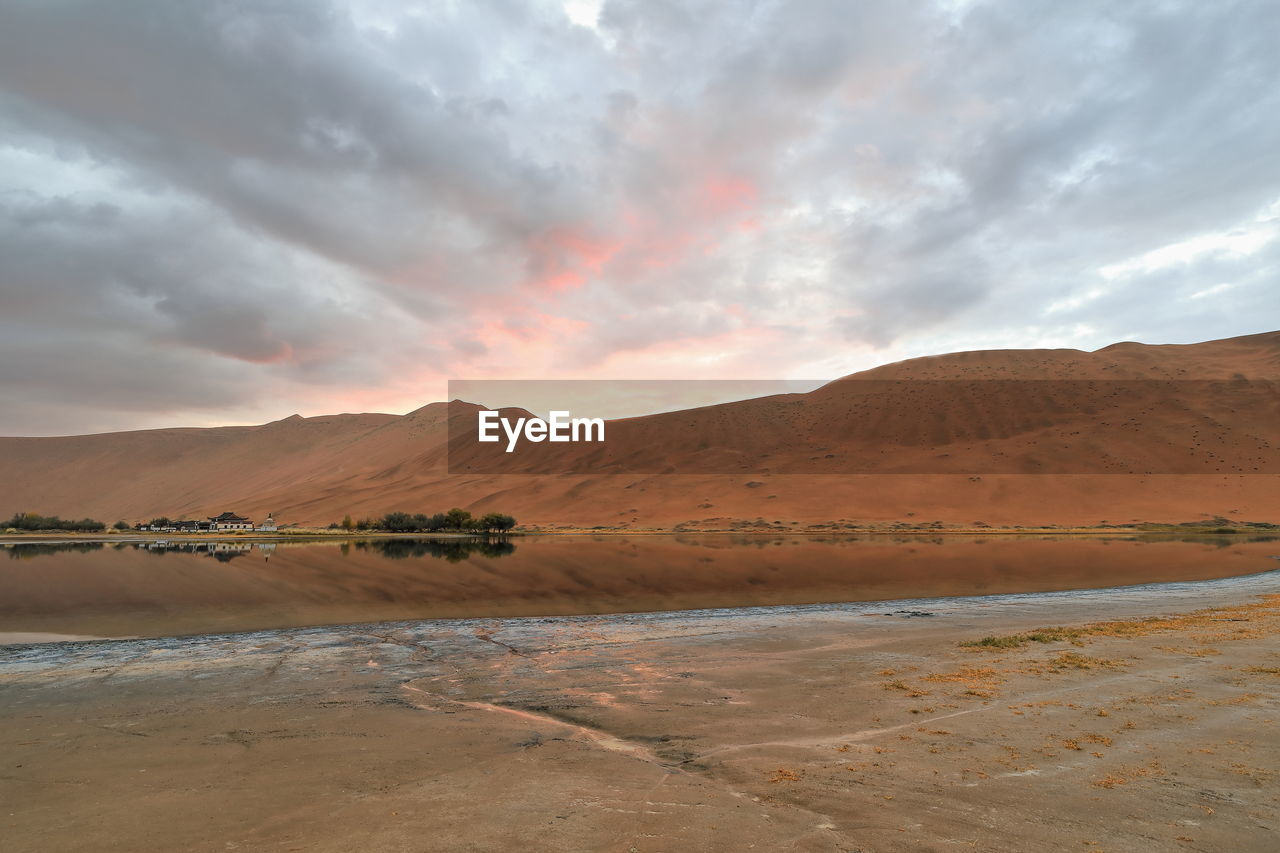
(313, 205)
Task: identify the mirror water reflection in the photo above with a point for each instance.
(161, 588)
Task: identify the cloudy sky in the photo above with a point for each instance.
(227, 212)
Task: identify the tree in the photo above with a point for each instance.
(492, 521)
(35, 521)
(121, 525)
(347, 523)
(457, 518)
(398, 522)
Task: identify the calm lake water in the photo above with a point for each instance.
(146, 589)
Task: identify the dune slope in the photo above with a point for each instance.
(1128, 433)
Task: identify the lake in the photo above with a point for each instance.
(139, 589)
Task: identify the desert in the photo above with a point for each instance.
(623, 426)
(782, 659)
(1127, 434)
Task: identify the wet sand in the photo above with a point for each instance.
(866, 727)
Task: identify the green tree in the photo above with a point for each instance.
(121, 525)
(35, 521)
(398, 522)
(458, 518)
(495, 521)
(347, 523)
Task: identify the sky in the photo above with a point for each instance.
(230, 212)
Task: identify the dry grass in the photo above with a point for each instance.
(974, 678)
(1266, 670)
(1125, 775)
(1221, 623)
(1072, 660)
(904, 687)
(1203, 652)
(1017, 641)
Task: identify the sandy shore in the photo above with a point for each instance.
(868, 727)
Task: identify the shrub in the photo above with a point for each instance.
(455, 519)
(35, 521)
(398, 522)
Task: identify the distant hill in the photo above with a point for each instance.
(1129, 432)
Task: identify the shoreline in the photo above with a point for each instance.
(1140, 595)
(1152, 529)
(39, 538)
(124, 589)
(815, 728)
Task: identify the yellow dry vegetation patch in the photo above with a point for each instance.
(983, 678)
(1265, 670)
(1205, 652)
(1072, 660)
(904, 687)
(1124, 775)
(1257, 774)
(1214, 624)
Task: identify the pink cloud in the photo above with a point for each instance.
(723, 196)
(563, 258)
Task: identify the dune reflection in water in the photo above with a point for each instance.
(152, 589)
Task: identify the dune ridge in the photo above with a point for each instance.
(959, 439)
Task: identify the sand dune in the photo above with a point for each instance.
(1128, 433)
